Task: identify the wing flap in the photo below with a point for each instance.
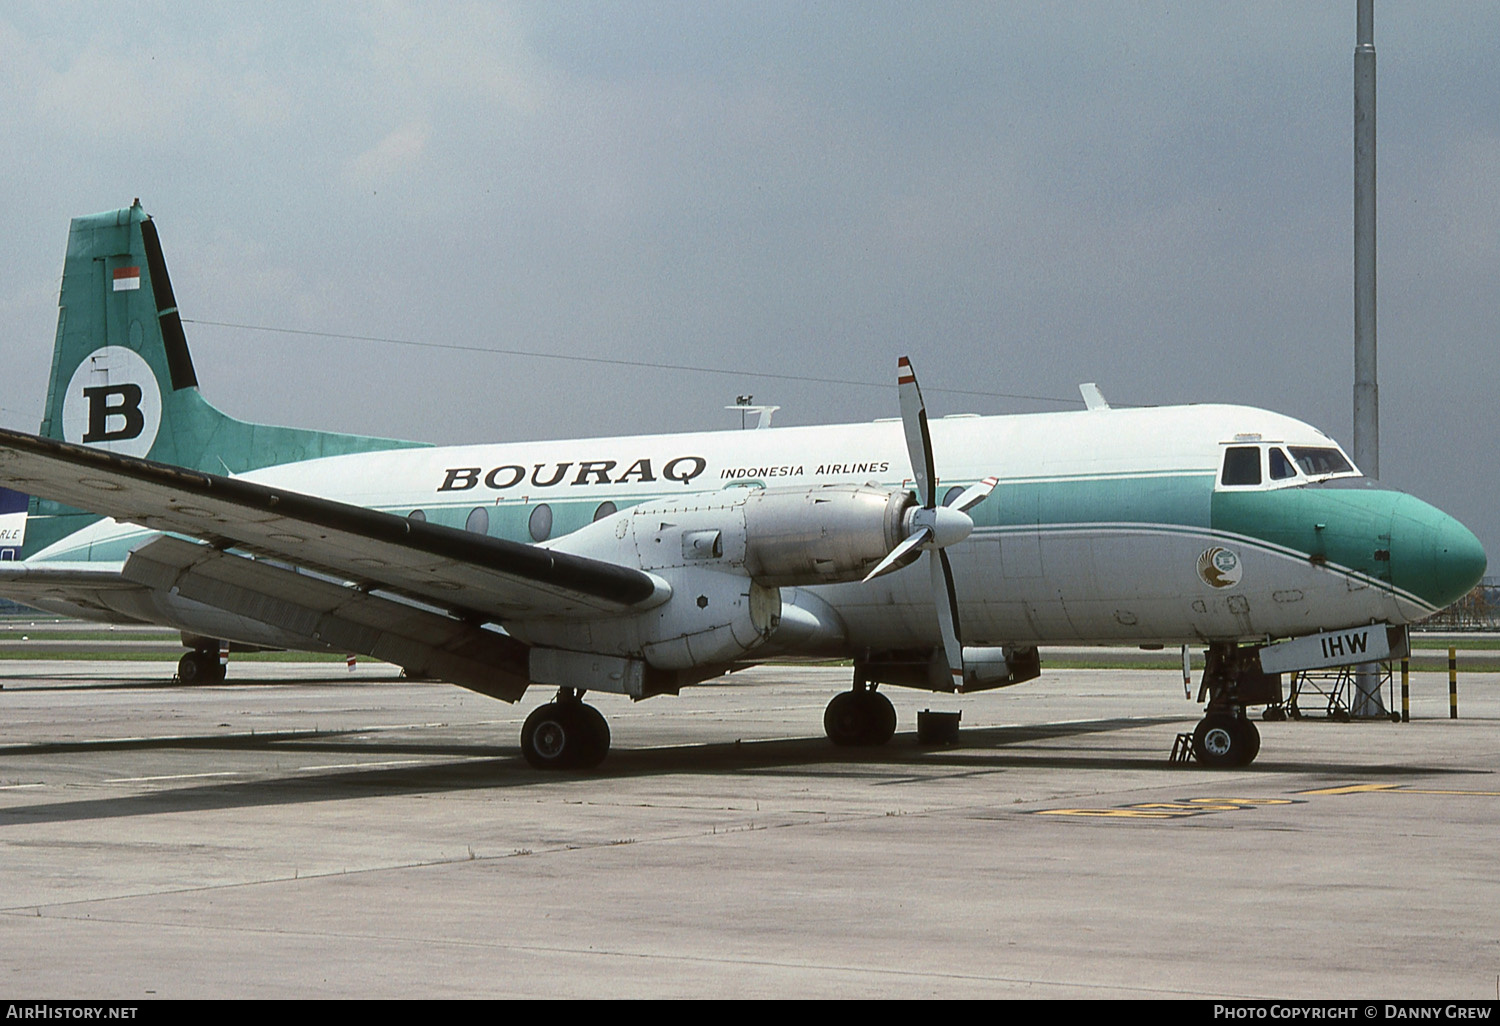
(343, 618)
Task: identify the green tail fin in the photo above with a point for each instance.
(123, 379)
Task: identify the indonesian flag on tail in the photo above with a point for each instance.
(127, 278)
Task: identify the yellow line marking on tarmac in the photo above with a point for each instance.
(1171, 810)
(1397, 788)
(1189, 807)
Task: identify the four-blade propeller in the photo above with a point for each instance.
(930, 526)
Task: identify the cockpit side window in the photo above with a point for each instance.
(1281, 467)
(1241, 465)
(1316, 462)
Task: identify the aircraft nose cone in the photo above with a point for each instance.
(1433, 555)
(1461, 560)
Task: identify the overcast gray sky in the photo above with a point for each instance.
(1153, 196)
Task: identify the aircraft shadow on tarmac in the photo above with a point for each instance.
(981, 750)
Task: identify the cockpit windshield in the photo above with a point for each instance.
(1318, 462)
(1267, 465)
(1281, 467)
(1241, 465)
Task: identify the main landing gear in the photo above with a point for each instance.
(200, 666)
(565, 734)
(1226, 736)
(861, 717)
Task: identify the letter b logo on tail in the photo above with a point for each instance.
(120, 402)
(113, 402)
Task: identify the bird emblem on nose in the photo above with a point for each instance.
(1219, 567)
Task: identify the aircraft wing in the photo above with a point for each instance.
(441, 566)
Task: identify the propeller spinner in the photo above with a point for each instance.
(930, 526)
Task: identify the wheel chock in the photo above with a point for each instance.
(1182, 749)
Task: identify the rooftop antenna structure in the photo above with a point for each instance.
(1366, 699)
(746, 404)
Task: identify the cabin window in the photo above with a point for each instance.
(952, 495)
(1315, 462)
(606, 509)
(1281, 467)
(479, 521)
(418, 515)
(540, 524)
(1241, 465)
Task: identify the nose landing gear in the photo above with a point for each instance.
(1226, 738)
(1232, 678)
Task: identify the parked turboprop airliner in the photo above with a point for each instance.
(933, 554)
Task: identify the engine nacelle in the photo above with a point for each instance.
(778, 537)
(724, 556)
(821, 535)
(712, 619)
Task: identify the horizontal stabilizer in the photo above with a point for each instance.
(94, 591)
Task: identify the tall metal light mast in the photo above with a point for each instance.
(1366, 390)
(1367, 698)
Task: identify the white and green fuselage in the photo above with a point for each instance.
(1106, 525)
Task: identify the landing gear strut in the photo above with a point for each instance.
(1226, 736)
(565, 734)
(861, 717)
(200, 667)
